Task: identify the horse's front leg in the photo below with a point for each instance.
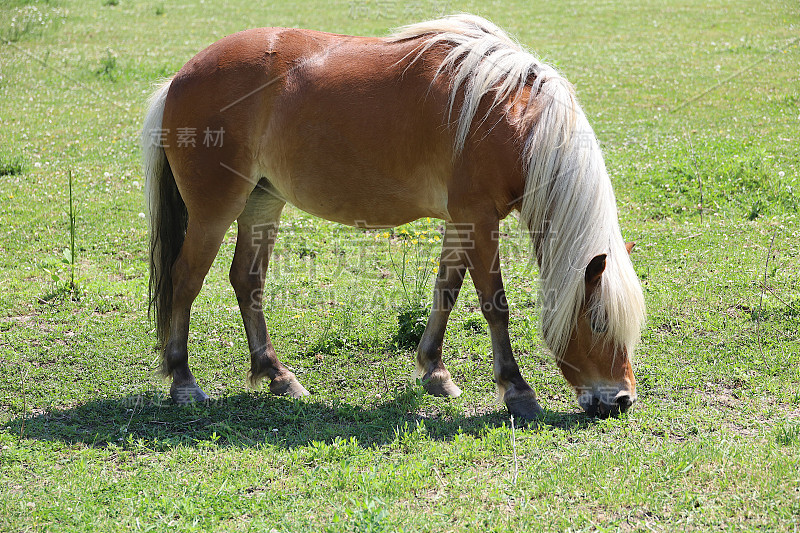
(452, 266)
(484, 267)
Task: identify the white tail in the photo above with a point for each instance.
(153, 157)
(166, 212)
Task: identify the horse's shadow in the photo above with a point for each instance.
(252, 419)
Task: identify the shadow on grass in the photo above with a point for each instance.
(255, 418)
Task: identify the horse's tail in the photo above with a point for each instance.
(166, 212)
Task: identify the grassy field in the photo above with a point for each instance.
(698, 110)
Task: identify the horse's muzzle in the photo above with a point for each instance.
(594, 406)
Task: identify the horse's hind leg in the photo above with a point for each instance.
(452, 266)
(258, 225)
(200, 247)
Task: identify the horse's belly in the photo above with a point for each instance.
(368, 200)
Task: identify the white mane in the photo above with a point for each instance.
(569, 205)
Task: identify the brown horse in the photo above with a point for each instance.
(449, 119)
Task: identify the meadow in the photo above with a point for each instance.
(697, 107)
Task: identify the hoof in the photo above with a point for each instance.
(523, 405)
(287, 386)
(186, 394)
(440, 385)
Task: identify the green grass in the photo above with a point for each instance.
(698, 111)
(11, 165)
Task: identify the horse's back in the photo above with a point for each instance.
(344, 127)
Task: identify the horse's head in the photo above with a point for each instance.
(597, 367)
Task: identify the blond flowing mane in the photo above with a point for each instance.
(569, 206)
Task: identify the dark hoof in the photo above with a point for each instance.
(287, 385)
(523, 406)
(186, 394)
(440, 384)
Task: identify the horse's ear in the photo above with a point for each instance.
(629, 246)
(595, 268)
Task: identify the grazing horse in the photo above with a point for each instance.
(448, 118)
